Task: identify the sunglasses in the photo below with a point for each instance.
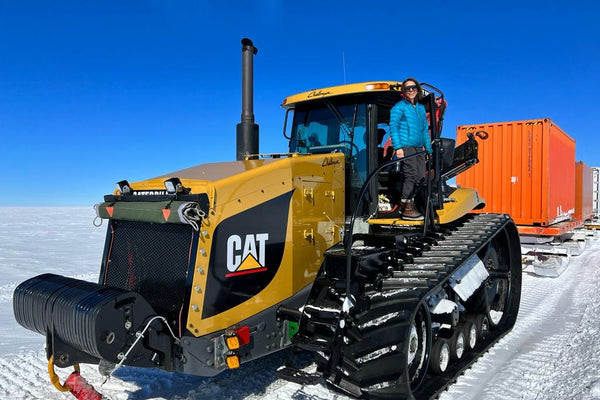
(410, 88)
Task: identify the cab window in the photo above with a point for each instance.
(328, 127)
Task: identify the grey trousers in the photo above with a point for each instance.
(413, 170)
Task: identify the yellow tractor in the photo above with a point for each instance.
(216, 265)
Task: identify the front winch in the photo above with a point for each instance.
(85, 322)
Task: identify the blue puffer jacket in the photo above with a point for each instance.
(408, 126)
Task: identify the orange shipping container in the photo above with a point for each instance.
(526, 169)
(584, 195)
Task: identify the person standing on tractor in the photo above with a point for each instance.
(410, 134)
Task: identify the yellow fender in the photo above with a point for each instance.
(462, 201)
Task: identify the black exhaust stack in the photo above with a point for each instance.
(247, 130)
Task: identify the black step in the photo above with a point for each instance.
(310, 344)
(298, 376)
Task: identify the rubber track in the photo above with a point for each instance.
(357, 358)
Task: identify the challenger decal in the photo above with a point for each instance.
(317, 93)
(329, 161)
(246, 253)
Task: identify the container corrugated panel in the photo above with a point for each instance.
(526, 169)
(584, 196)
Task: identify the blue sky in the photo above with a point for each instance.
(93, 92)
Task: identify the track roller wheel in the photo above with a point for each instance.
(440, 357)
(469, 329)
(456, 340)
(457, 345)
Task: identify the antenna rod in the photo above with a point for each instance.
(344, 66)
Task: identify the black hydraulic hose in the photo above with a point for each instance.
(363, 190)
(428, 206)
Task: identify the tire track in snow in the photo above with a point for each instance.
(22, 376)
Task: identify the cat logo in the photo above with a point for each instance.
(246, 255)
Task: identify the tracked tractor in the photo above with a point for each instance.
(209, 267)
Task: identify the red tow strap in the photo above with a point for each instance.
(80, 388)
(74, 383)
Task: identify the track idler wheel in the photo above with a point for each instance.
(498, 297)
(385, 358)
(483, 326)
(419, 344)
(496, 286)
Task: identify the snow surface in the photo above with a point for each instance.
(553, 351)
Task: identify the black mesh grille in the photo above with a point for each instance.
(152, 260)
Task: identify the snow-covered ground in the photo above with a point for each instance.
(552, 353)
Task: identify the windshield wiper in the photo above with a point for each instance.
(349, 129)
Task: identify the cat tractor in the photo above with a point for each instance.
(210, 267)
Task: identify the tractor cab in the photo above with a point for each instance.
(354, 120)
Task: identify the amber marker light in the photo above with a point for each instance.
(377, 86)
(233, 342)
(233, 361)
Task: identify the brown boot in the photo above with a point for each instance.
(409, 212)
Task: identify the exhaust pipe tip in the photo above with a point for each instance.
(247, 130)
(248, 45)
